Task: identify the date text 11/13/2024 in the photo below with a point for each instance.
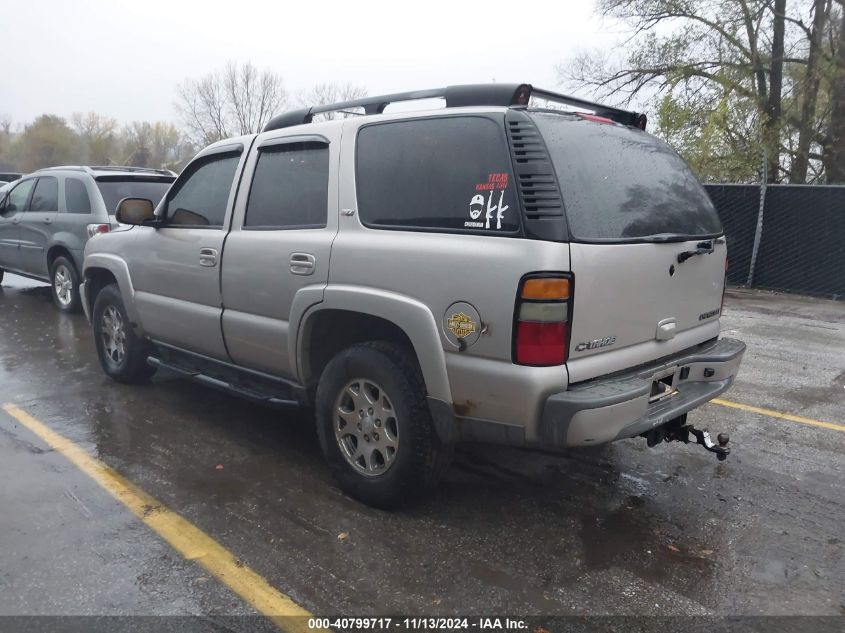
(419, 623)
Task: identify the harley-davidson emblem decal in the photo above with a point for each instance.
(461, 325)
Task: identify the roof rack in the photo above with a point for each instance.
(163, 172)
(65, 168)
(90, 169)
(457, 96)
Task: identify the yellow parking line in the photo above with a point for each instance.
(778, 414)
(182, 535)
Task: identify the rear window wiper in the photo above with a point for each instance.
(660, 238)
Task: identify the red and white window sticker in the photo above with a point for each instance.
(489, 200)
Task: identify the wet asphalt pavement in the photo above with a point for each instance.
(622, 529)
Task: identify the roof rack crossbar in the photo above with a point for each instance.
(456, 96)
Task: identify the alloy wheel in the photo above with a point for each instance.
(113, 334)
(366, 427)
(63, 285)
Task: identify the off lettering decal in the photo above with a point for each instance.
(492, 206)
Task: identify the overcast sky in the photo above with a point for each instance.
(125, 59)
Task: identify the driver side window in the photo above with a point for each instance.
(19, 196)
(200, 200)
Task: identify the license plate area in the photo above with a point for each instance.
(663, 385)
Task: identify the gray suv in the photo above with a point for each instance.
(498, 270)
(47, 217)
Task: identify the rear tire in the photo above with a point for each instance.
(2, 272)
(64, 282)
(375, 428)
(122, 353)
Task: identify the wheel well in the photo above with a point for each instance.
(330, 331)
(54, 252)
(97, 279)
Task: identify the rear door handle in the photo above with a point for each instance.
(48, 220)
(208, 257)
(302, 263)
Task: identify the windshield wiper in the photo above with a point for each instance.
(702, 248)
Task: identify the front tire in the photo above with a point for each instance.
(122, 353)
(375, 428)
(64, 281)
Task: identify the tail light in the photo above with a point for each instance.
(96, 229)
(541, 320)
(724, 285)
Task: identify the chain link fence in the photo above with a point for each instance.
(784, 237)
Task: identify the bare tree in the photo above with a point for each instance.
(835, 154)
(238, 100)
(98, 136)
(253, 97)
(325, 93)
(732, 79)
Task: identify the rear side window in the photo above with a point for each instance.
(46, 195)
(200, 199)
(445, 173)
(290, 188)
(620, 184)
(76, 196)
(114, 189)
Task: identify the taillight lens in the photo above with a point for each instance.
(96, 229)
(541, 326)
(724, 285)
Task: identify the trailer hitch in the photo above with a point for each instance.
(679, 431)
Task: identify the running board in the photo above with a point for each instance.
(252, 392)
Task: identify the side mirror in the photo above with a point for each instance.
(137, 211)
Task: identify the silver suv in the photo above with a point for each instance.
(488, 271)
(47, 217)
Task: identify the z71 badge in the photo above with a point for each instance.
(595, 343)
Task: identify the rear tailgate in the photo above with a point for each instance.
(633, 207)
(624, 292)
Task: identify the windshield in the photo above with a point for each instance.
(620, 184)
(114, 190)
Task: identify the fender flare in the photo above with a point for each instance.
(120, 271)
(411, 316)
(60, 242)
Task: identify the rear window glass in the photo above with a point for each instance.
(444, 173)
(114, 190)
(621, 184)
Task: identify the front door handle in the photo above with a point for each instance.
(302, 263)
(48, 220)
(208, 257)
